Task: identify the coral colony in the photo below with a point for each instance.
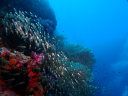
(33, 62)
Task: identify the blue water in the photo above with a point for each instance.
(101, 25)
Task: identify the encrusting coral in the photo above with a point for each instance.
(33, 62)
(19, 72)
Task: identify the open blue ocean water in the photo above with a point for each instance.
(63, 48)
(102, 26)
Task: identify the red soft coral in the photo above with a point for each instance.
(37, 58)
(16, 60)
(13, 61)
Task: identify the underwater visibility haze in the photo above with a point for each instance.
(102, 26)
(63, 48)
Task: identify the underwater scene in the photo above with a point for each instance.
(63, 48)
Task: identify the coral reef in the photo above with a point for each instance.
(36, 61)
(74, 52)
(22, 31)
(40, 8)
(78, 53)
(19, 72)
(80, 62)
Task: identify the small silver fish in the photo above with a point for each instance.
(23, 47)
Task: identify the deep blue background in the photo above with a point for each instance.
(101, 25)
